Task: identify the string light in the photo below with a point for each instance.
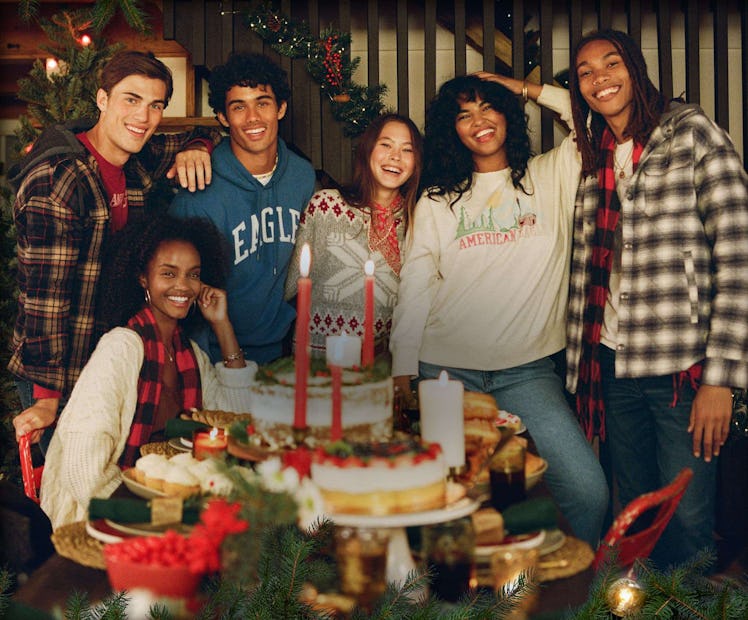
(85, 40)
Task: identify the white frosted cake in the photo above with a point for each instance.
(366, 403)
(380, 478)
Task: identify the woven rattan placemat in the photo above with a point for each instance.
(71, 541)
(573, 557)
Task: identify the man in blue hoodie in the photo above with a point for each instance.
(258, 192)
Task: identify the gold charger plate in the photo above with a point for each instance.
(72, 541)
(571, 558)
(159, 447)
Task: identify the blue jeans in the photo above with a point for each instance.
(649, 445)
(26, 396)
(533, 391)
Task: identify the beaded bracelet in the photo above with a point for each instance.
(233, 357)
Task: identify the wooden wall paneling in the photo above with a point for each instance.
(575, 27)
(604, 14)
(303, 122)
(315, 101)
(634, 20)
(331, 132)
(664, 48)
(489, 42)
(721, 71)
(546, 70)
(372, 41)
(691, 22)
(346, 144)
(429, 51)
(244, 40)
(169, 8)
(287, 126)
(190, 31)
(744, 73)
(518, 40)
(401, 25)
(460, 38)
(215, 19)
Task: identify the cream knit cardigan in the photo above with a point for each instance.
(91, 432)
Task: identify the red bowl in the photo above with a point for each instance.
(171, 581)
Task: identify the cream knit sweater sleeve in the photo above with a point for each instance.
(81, 462)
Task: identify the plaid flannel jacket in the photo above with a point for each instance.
(62, 226)
(684, 267)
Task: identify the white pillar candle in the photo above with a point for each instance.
(440, 402)
(343, 350)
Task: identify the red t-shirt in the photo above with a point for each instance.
(113, 178)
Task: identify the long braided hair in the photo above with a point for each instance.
(646, 107)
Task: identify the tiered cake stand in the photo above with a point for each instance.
(399, 557)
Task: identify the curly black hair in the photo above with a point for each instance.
(246, 69)
(121, 294)
(448, 163)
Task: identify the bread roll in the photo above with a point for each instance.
(479, 405)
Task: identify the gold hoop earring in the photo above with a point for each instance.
(148, 297)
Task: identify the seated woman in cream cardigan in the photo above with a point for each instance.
(144, 371)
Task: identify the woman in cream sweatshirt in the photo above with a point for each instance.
(484, 283)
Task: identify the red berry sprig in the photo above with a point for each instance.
(333, 63)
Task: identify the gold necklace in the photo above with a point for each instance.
(622, 168)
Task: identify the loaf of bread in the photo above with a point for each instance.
(488, 525)
(479, 405)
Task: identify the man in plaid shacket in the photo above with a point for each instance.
(77, 187)
(658, 303)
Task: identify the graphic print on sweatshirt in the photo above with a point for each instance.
(268, 227)
(507, 217)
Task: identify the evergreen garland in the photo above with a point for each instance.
(101, 13)
(291, 557)
(328, 63)
(70, 92)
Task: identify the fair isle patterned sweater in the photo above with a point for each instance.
(338, 237)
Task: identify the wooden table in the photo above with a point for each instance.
(54, 581)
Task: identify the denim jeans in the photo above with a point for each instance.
(26, 396)
(649, 445)
(534, 392)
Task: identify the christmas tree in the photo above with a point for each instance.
(64, 86)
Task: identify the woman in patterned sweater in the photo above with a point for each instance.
(365, 220)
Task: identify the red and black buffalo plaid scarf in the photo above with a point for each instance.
(590, 408)
(149, 382)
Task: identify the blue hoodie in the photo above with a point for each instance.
(260, 224)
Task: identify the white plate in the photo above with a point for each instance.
(180, 443)
(505, 418)
(460, 508)
(100, 530)
(140, 489)
(527, 543)
(549, 541)
(147, 529)
(554, 540)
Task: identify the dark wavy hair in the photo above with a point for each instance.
(246, 69)
(360, 192)
(121, 295)
(449, 163)
(646, 107)
(131, 62)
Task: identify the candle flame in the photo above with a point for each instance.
(305, 260)
(443, 377)
(214, 433)
(369, 268)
